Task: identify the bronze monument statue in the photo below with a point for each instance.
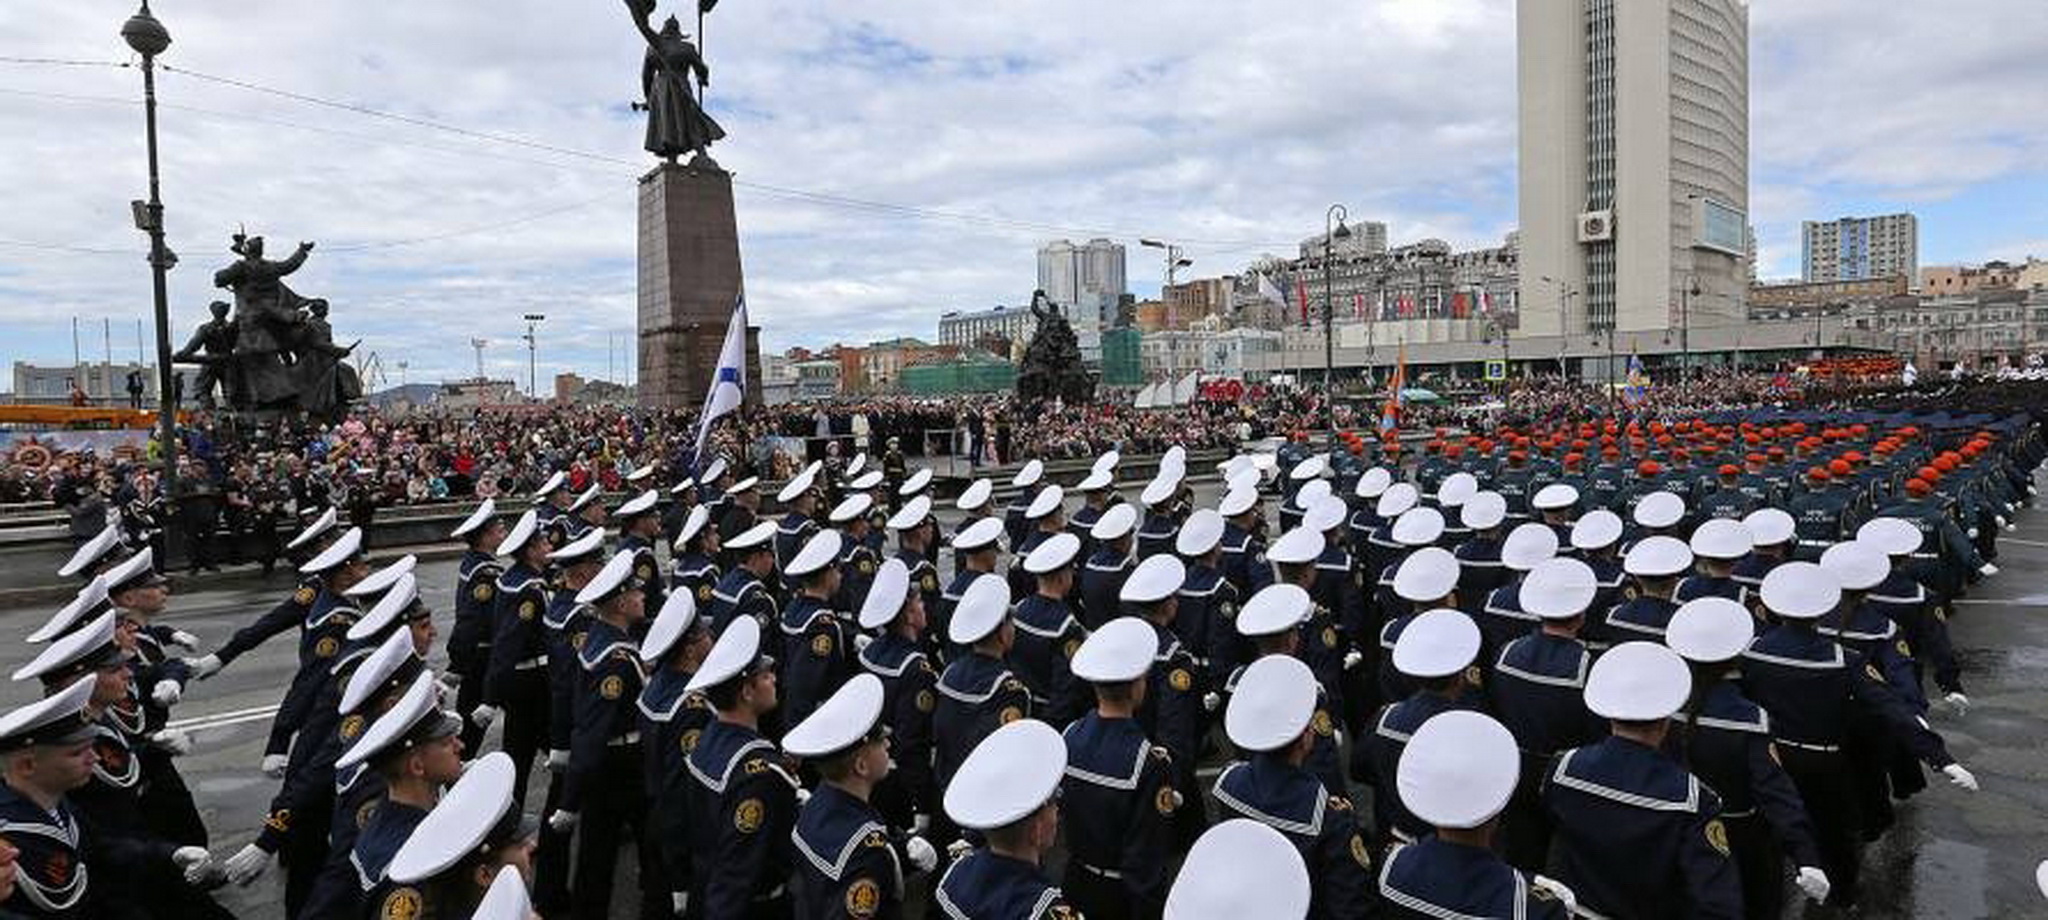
(278, 352)
(213, 348)
(1052, 367)
(676, 120)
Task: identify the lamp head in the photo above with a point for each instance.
(145, 34)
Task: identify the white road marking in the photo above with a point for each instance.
(223, 719)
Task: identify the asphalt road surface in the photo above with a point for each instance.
(1952, 855)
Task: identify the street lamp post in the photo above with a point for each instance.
(532, 375)
(1685, 296)
(1174, 263)
(149, 38)
(1333, 230)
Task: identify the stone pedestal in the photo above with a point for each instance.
(689, 260)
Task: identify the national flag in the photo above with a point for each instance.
(1638, 388)
(704, 6)
(1270, 292)
(1486, 303)
(729, 381)
(1357, 304)
(1390, 413)
(1380, 309)
(1301, 289)
(1461, 305)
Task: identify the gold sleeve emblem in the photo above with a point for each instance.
(747, 817)
(863, 898)
(611, 687)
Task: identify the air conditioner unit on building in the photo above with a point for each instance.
(1596, 226)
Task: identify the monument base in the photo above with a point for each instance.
(689, 279)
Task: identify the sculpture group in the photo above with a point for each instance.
(277, 351)
(1052, 368)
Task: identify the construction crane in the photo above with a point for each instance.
(371, 370)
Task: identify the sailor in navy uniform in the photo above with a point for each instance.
(639, 520)
(1426, 580)
(1717, 545)
(1121, 793)
(604, 794)
(1536, 686)
(1654, 564)
(1380, 549)
(551, 499)
(1098, 492)
(1008, 790)
(1458, 773)
(977, 692)
(1595, 539)
(1029, 480)
(850, 866)
(870, 484)
(1208, 601)
(1269, 719)
(1338, 589)
(96, 555)
(1499, 614)
(907, 797)
(1771, 531)
(694, 558)
(1479, 568)
(677, 504)
(476, 831)
(1726, 740)
(976, 504)
(857, 560)
(1301, 489)
(583, 515)
(1244, 539)
(1637, 835)
(476, 588)
(1044, 517)
(671, 722)
(1103, 572)
(1907, 602)
(743, 590)
(800, 497)
(1173, 716)
(742, 800)
(415, 752)
(565, 629)
(1166, 505)
(1556, 504)
(1436, 651)
(817, 650)
(1270, 624)
(1047, 631)
(516, 678)
(1656, 512)
(138, 594)
(1240, 868)
(974, 555)
(740, 511)
(1868, 633)
(1365, 518)
(1451, 496)
(714, 485)
(917, 533)
(288, 614)
(1294, 558)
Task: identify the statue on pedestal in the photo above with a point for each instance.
(1052, 367)
(278, 352)
(676, 120)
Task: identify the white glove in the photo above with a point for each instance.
(957, 850)
(247, 863)
(484, 715)
(558, 761)
(1558, 890)
(184, 640)
(681, 901)
(802, 796)
(1960, 776)
(562, 821)
(1352, 659)
(1973, 533)
(166, 693)
(919, 823)
(174, 741)
(1814, 882)
(1210, 701)
(861, 641)
(922, 854)
(446, 685)
(197, 863)
(1988, 570)
(204, 667)
(274, 764)
(1958, 702)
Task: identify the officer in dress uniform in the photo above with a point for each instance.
(816, 645)
(1365, 518)
(1240, 868)
(476, 587)
(851, 867)
(1269, 719)
(1451, 496)
(742, 799)
(1029, 480)
(1043, 518)
(1717, 544)
(565, 627)
(1458, 771)
(857, 560)
(974, 555)
(516, 678)
(1208, 601)
(1007, 790)
(896, 616)
(917, 534)
(694, 558)
(1047, 631)
(1654, 564)
(1165, 499)
(744, 589)
(977, 692)
(457, 859)
(1500, 615)
(639, 520)
(1637, 835)
(671, 722)
(1121, 793)
(1244, 539)
(415, 752)
(1103, 573)
(1436, 651)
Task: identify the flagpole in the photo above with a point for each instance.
(703, 54)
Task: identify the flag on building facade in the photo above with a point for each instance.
(1301, 290)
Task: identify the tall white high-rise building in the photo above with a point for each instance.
(1860, 248)
(1089, 276)
(1634, 143)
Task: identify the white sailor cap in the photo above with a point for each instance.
(582, 549)
(1458, 770)
(1119, 652)
(476, 520)
(1155, 579)
(797, 485)
(1096, 481)
(1437, 643)
(1275, 608)
(394, 659)
(848, 717)
(684, 485)
(744, 485)
(1597, 529)
(754, 538)
(1398, 498)
(982, 607)
(585, 500)
(344, 548)
(1710, 629)
(88, 600)
(916, 482)
(1030, 474)
(678, 615)
(1161, 489)
(1247, 478)
(1199, 533)
(1555, 497)
(821, 550)
(851, 508)
(1008, 776)
(401, 600)
(715, 471)
(1312, 468)
(1892, 536)
(1175, 459)
(1299, 546)
(616, 576)
(1119, 520)
(381, 580)
(91, 551)
(854, 466)
(1419, 526)
(976, 495)
(1373, 483)
(1106, 463)
(982, 533)
(736, 653)
(311, 532)
(1053, 553)
(554, 482)
(138, 570)
(1528, 545)
(1456, 489)
(415, 719)
(1721, 538)
(1240, 868)
(1657, 557)
(1558, 589)
(1659, 509)
(1237, 501)
(1859, 566)
(1272, 705)
(866, 481)
(642, 503)
(1324, 514)
(474, 814)
(886, 594)
(640, 473)
(1801, 591)
(1484, 511)
(523, 530)
(1313, 491)
(1428, 574)
(1237, 465)
(90, 646)
(506, 899)
(1638, 682)
(1045, 503)
(913, 513)
(693, 524)
(56, 719)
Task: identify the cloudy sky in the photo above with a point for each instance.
(897, 159)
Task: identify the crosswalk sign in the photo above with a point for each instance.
(1496, 369)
